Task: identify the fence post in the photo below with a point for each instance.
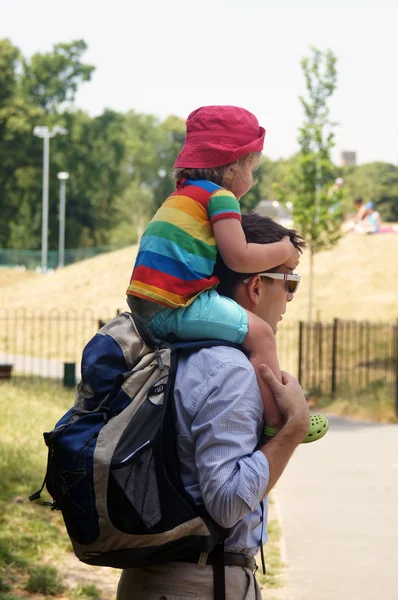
(334, 355)
(5, 371)
(300, 352)
(319, 329)
(396, 368)
(69, 380)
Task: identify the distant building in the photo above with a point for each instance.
(348, 157)
(276, 211)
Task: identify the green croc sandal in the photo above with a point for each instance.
(319, 425)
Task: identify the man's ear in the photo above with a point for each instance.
(254, 289)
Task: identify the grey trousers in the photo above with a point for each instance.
(185, 581)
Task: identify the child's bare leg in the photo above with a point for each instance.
(261, 346)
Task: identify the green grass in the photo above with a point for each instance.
(373, 403)
(87, 592)
(44, 579)
(30, 535)
(274, 566)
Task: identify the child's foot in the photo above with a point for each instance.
(318, 427)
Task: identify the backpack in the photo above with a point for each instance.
(113, 468)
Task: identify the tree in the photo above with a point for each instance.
(30, 94)
(272, 177)
(34, 92)
(171, 140)
(93, 153)
(317, 213)
(17, 150)
(135, 207)
(50, 79)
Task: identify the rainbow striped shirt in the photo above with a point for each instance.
(177, 253)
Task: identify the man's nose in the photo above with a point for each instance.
(289, 297)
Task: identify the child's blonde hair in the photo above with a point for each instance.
(215, 174)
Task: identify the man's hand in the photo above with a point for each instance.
(293, 257)
(289, 397)
(291, 401)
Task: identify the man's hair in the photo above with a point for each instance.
(258, 230)
(358, 201)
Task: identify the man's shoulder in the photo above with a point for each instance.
(222, 373)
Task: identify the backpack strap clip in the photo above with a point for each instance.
(159, 359)
(202, 560)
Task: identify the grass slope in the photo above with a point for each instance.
(353, 281)
(13, 276)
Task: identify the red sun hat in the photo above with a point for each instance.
(219, 135)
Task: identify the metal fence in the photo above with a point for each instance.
(327, 358)
(348, 357)
(40, 343)
(31, 259)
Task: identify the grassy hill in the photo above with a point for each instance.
(356, 280)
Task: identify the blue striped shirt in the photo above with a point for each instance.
(219, 422)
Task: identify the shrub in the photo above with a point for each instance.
(44, 580)
(89, 592)
(4, 587)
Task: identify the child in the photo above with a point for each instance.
(172, 287)
(373, 218)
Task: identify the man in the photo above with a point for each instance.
(219, 426)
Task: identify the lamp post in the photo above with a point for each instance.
(42, 131)
(62, 176)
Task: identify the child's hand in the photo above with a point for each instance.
(293, 258)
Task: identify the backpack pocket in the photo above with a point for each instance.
(133, 493)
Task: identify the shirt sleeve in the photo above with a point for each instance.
(223, 205)
(233, 477)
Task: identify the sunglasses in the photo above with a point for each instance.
(292, 280)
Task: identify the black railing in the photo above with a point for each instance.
(348, 356)
(40, 343)
(327, 358)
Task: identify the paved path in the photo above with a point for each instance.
(338, 500)
(33, 365)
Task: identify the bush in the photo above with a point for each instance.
(44, 580)
(89, 592)
(4, 587)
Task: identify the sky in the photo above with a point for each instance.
(169, 57)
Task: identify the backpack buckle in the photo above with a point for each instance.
(201, 564)
(159, 359)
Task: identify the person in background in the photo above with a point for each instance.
(372, 218)
(359, 223)
(361, 210)
(334, 194)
